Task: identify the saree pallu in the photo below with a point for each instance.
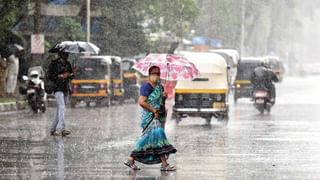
(153, 143)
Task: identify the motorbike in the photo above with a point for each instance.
(262, 99)
(34, 91)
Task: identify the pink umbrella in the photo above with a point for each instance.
(172, 66)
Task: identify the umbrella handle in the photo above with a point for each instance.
(167, 72)
(167, 68)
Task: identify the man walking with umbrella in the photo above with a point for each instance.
(60, 73)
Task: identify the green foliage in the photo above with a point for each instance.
(122, 35)
(70, 30)
(167, 15)
(173, 18)
(127, 24)
(10, 13)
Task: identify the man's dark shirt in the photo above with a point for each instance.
(56, 68)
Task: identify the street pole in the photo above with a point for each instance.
(243, 17)
(181, 28)
(35, 58)
(37, 16)
(88, 21)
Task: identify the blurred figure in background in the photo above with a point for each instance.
(263, 76)
(23, 64)
(3, 75)
(12, 75)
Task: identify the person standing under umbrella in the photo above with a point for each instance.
(152, 147)
(60, 73)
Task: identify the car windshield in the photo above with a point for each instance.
(90, 69)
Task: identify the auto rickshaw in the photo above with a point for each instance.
(205, 96)
(91, 81)
(130, 80)
(242, 84)
(117, 90)
(142, 79)
(232, 58)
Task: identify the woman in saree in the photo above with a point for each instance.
(152, 147)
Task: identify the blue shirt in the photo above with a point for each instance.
(146, 89)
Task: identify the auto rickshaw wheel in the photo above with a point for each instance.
(177, 118)
(136, 99)
(88, 103)
(121, 100)
(73, 103)
(235, 99)
(223, 118)
(106, 102)
(208, 119)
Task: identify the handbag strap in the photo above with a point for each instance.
(144, 129)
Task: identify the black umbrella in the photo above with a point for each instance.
(75, 47)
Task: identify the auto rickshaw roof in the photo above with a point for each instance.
(207, 62)
(107, 59)
(129, 59)
(273, 57)
(252, 59)
(230, 52)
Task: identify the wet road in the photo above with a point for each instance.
(282, 145)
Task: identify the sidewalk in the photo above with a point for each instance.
(11, 104)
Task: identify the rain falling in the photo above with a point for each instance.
(146, 89)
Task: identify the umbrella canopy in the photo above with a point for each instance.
(172, 66)
(75, 47)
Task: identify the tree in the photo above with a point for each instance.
(70, 30)
(10, 14)
(128, 24)
(170, 19)
(270, 24)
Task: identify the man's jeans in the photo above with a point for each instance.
(58, 123)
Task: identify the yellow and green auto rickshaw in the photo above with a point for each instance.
(130, 79)
(92, 80)
(117, 90)
(205, 96)
(242, 85)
